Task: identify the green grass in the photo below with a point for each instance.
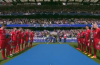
(74, 45)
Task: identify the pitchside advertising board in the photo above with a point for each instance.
(43, 39)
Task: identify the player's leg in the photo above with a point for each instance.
(3, 53)
(11, 50)
(26, 44)
(95, 50)
(3, 46)
(9, 53)
(6, 51)
(82, 46)
(14, 48)
(90, 53)
(22, 47)
(18, 47)
(89, 46)
(31, 43)
(22, 43)
(78, 45)
(85, 48)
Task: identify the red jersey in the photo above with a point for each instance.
(8, 41)
(2, 34)
(82, 36)
(96, 35)
(87, 35)
(78, 37)
(31, 35)
(8, 47)
(19, 34)
(13, 36)
(27, 35)
(22, 35)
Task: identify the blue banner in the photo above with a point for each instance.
(48, 25)
(62, 40)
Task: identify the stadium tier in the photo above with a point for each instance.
(50, 10)
(49, 22)
(59, 26)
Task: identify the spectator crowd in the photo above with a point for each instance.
(49, 21)
(69, 33)
(10, 9)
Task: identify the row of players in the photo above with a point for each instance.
(88, 39)
(11, 43)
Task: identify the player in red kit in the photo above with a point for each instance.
(82, 40)
(8, 47)
(96, 39)
(78, 40)
(18, 40)
(14, 40)
(87, 41)
(26, 38)
(2, 41)
(22, 39)
(31, 36)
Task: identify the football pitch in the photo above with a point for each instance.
(74, 45)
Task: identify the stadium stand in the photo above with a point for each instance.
(49, 21)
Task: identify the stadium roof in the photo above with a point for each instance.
(66, 1)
